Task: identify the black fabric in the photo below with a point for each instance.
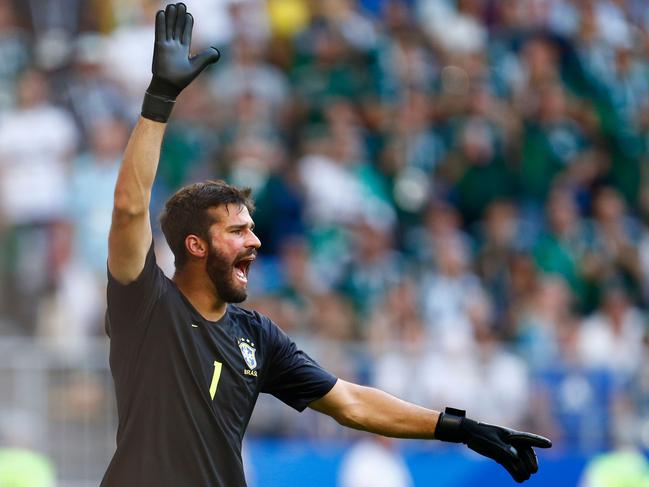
(162, 354)
(449, 426)
(157, 108)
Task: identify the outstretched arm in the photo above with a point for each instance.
(372, 410)
(130, 232)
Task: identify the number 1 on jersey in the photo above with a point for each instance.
(215, 378)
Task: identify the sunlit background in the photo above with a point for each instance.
(453, 201)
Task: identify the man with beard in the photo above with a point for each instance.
(188, 364)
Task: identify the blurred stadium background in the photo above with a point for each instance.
(453, 200)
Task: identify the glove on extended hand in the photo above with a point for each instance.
(512, 449)
(173, 69)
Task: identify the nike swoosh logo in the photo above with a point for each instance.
(195, 326)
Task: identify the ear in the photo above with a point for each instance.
(196, 246)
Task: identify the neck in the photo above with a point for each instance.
(201, 293)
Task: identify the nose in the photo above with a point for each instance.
(253, 240)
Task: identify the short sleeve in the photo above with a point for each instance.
(293, 377)
(130, 304)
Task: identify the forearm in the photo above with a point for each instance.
(375, 411)
(381, 413)
(130, 231)
(139, 166)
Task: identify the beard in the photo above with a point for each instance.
(219, 269)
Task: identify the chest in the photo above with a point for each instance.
(217, 367)
(230, 359)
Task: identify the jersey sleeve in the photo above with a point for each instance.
(293, 377)
(130, 304)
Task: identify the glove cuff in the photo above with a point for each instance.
(157, 108)
(449, 426)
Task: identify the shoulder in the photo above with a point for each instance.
(245, 314)
(250, 317)
(151, 283)
(256, 322)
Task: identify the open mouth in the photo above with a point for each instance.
(241, 268)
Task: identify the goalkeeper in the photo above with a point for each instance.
(187, 362)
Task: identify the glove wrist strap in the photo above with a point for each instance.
(449, 426)
(157, 108)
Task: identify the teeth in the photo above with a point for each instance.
(241, 275)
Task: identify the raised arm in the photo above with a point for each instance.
(375, 411)
(130, 231)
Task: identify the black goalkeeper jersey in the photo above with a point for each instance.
(186, 386)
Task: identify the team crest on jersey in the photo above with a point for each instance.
(248, 351)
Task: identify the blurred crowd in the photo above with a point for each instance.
(452, 194)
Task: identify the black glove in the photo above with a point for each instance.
(512, 449)
(173, 69)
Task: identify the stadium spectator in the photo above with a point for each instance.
(37, 141)
(87, 92)
(447, 293)
(612, 337)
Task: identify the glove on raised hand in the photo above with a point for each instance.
(173, 69)
(512, 449)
